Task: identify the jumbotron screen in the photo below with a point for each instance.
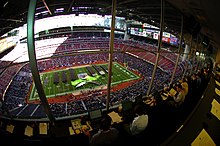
(153, 34)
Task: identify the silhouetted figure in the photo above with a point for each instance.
(107, 135)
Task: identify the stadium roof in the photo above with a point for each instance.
(200, 16)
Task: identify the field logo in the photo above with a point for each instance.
(83, 79)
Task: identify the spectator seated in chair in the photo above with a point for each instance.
(178, 98)
(107, 135)
(139, 123)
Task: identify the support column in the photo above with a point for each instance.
(188, 54)
(198, 59)
(159, 46)
(33, 61)
(126, 36)
(178, 55)
(111, 47)
(194, 57)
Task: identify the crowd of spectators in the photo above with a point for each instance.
(20, 77)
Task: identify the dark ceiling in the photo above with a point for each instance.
(200, 16)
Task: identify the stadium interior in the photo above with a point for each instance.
(64, 64)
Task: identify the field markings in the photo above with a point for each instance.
(120, 75)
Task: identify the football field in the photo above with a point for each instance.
(73, 80)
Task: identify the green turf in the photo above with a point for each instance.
(119, 75)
